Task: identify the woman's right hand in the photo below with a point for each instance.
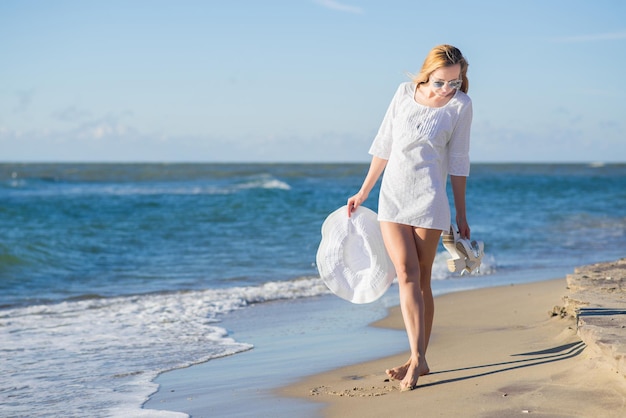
(376, 168)
(356, 201)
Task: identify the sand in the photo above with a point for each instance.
(495, 352)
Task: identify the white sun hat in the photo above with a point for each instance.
(352, 259)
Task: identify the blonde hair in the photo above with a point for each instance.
(443, 56)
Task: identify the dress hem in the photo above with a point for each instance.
(415, 224)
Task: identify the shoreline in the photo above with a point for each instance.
(284, 333)
(494, 352)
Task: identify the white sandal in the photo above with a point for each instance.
(466, 255)
(456, 264)
(473, 252)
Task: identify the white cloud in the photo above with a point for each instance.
(109, 126)
(105, 130)
(335, 5)
(594, 37)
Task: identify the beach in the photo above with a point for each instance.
(191, 289)
(495, 352)
(499, 351)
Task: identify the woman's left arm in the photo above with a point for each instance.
(459, 164)
(458, 190)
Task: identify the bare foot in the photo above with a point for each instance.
(414, 370)
(398, 373)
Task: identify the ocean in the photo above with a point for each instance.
(111, 274)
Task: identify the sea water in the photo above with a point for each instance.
(111, 274)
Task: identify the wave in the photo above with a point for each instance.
(109, 350)
(265, 183)
(440, 270)
(40, 187)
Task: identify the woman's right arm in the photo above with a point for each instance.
(376, 169)
(381, 146)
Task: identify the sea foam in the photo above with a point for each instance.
(101, 355)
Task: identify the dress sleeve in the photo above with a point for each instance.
(381, 146)
(459, 144)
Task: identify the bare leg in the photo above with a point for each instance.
(413, 252)
(399, 372)
(427, 241)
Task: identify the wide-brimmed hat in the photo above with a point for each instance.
(352, 259)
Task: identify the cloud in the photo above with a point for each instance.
(109, 126)
(105, 130)
(335, 5)
(592, 38)
(71, 114)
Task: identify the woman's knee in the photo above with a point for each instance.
(408, 274)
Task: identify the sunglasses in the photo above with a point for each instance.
(453, 84)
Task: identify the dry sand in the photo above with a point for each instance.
(495, 352)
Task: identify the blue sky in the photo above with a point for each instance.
(301, 80)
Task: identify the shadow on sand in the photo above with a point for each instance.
(537, 358)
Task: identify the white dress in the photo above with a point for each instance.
(422, 145)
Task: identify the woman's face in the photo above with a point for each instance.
(445, 81)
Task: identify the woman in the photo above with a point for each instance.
(424, 137)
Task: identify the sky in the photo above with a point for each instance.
(301, 80)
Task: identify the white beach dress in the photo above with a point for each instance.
(422, 145)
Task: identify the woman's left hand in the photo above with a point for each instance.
(464, 229)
